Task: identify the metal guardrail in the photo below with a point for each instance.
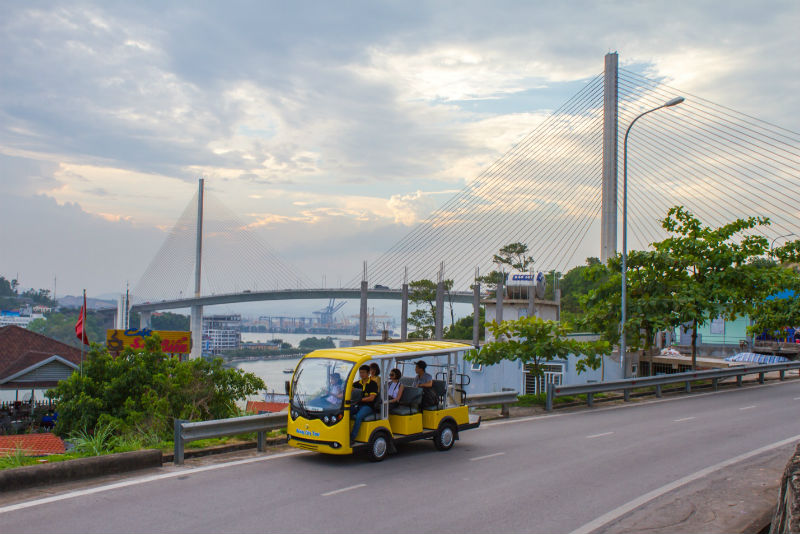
(503, 398)
(186, 431)
(626, 385)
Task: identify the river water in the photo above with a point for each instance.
(272, 371)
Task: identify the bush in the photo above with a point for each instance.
(140, 393)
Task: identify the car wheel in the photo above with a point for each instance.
(445, 437)
(378, 447)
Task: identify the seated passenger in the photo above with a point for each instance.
(366, 405)
(425, 381)
(335, 390)
(394, 389)
(375, 374)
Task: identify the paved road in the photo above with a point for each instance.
(554, 473)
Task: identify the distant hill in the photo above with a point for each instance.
(93, 304)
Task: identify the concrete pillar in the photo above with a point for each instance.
(608, 217)
(532, 296)
(196, 325)
(439, 317)
(499, 296)
(144, 319)
(362, 316)
(197, 311)
(404, 314)
(476, 313)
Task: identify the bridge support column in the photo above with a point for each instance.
(196, 325)
(404, 313)
(499, 297)
(362, 316)
(144, 319)
(439, 317)
(608, 217)
(476, 313)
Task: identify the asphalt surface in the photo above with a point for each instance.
(556, 473)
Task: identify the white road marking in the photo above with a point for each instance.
(683, 419)
(485, 457)
(647, 497)
(747, 407)
(142, 480)
(629, 406)
(334, 492)
(796, 398)
(599, 435)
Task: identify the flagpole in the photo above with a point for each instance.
(83, 328)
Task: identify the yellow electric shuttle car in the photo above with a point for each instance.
(321, 395)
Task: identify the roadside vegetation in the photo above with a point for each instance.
(137, 395)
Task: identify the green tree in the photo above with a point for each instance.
(6, 289)
(314, 343)
(61, 326)
(575, 284)
(39, 296)
(515, 256)
(649, 299)
(170, 321)
(711, 273)
(774, 314)
(462, 329)
(422, 293)
(147, 389)
(534, 341)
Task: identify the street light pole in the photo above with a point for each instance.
(772, 245)
(622, 348)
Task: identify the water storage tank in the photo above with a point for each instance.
(518, 284)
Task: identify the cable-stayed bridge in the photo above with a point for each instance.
(555, 190)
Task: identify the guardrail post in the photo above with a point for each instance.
(504, 411)
(658, 391)
(739, 380)
(760, 378)
(715, 383)
(688, 387)
(262, 441)
(178, 440)
(783, 374)
(627, 394)
(548, 403)
(589, 399)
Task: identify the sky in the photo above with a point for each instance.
(330, 129)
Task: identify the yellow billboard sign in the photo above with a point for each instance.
(173, 342)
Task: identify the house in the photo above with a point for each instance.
(513, 375)
(31, 361)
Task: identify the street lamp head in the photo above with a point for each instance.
(674, 102)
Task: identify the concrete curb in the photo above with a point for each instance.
(35, 475)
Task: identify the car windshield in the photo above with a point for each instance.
(319, 384)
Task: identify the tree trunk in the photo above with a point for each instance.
(694, 345)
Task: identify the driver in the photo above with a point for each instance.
(366, 405)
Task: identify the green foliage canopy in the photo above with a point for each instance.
(535, 341)
(314, 343)
(147, 390)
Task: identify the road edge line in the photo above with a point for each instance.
(647, 497)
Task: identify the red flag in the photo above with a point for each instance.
(80, 326)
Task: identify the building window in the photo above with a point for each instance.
(553, 374)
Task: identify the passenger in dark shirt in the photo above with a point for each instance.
(366, 405)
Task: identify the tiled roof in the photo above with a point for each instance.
(20, 348)
(261, 406)
(32, 444)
